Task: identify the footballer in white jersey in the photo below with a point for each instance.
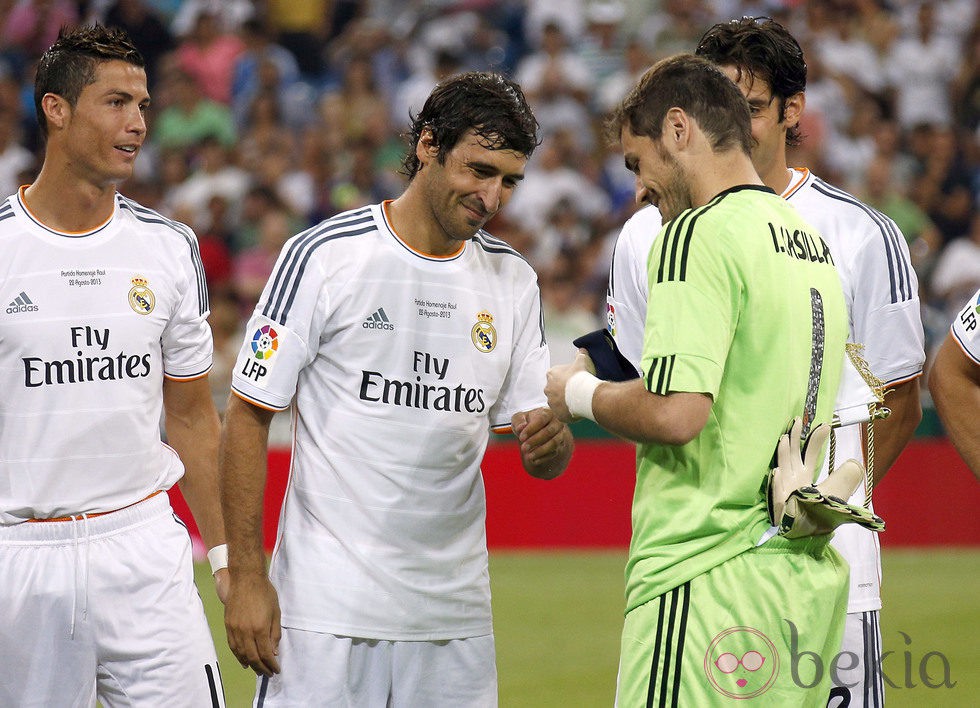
(401, 333)
(964, 328)
(91, 324)
(103, 331)
(400, 364)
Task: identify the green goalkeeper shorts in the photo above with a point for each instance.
(766, 626)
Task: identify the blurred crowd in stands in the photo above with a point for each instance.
(269, 116)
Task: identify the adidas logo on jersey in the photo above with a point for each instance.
(378, 320)
(21, 303)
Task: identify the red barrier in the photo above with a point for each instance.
(929, 498)
(587, 507)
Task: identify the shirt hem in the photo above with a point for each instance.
(257, 402)
(386, 634)
(869, 605)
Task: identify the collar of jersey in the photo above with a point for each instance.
(797, 178)
(414, 252)
(743, 188)
(56, 232)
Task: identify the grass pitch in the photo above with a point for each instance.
(558, 615)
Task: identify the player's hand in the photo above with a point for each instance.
(800, 508)
(546, 443)
(540, 433)
(557, 380)
(252, 621)
(222, 580)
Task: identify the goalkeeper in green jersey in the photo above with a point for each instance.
(745, 331)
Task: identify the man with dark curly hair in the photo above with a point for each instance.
(402, 334)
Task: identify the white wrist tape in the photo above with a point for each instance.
(218, 558)
(578, 394)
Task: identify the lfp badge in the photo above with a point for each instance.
(611, 319)
(265, 343)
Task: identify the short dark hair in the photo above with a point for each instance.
(694, 85)
(486, 102)
(765, 50)
(69, 65)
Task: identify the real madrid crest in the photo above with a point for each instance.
(141, 298)
(483, 334)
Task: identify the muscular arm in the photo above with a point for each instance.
(193, 426)
(954, 381)
(629, 410)
(893, 433)
(252, 611)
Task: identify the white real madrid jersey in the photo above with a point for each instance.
(964, 328)
(90, 323)
(398, 365)
(881, 292)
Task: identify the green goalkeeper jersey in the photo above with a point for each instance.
(745, 305)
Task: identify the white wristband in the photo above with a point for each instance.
(218, 558)
(578, 394)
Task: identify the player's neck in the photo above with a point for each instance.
(412, 220)
(778, 176)
(726, 170)
(61, 201)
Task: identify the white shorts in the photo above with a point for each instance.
(857, 679)
(104, 607)
(321, 669)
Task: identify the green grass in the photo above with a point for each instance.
(558, 616)
(930, 604)
(557, 619)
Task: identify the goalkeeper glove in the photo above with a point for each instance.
(798, 507)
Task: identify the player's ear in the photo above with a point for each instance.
(426, 149)
(793, 109)
(676, 127)
(639, 191)
(56, 110)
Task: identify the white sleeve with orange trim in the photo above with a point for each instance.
(880, 285)
(186, 340)
(274, 352)
(269, 363)
(887, 322)
(523, 389)
(965, 327)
